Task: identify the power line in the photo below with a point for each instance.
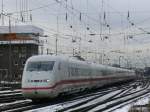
(37, 8)
(72, 10)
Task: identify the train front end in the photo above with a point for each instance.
(38, 78)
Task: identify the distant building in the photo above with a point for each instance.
(16, 45)
(147, 71)
(116, 65)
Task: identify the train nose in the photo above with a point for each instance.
(38, 89)
(37, 93)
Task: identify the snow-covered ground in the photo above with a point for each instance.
(7, 91)
(57, 107)
(141, 101)
(15, 102)
(54, 108)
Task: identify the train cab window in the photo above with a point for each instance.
(40, 66)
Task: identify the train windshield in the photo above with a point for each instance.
(40, 66)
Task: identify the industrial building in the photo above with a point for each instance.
(17, 43)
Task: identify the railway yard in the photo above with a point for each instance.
(102, 99)
(74, 56)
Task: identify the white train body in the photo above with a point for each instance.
(47, 76)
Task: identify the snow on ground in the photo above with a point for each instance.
(6, 91)
(15, 102)
(141, 101)
(100, 99)
(55, 108)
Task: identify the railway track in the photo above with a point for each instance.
(27, 104)
(103, 102)
(9, 96)
(100, 100)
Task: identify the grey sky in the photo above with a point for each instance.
(45, 13)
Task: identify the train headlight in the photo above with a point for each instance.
(47, 80)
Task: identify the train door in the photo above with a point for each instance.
(65, 75)
(59, 75)
(91, 75)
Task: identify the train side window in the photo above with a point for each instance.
(69, 71)
(59, 66)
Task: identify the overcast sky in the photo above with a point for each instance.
(125, 23)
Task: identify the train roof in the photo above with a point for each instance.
(46, 58)
(74, 60)
(110, 67)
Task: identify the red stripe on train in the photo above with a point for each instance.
(72, 82)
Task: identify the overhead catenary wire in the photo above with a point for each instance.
(47, 29)
(37, 9)
(73, 10)
(47, 6)
(43, 6)
(82, 34)
(33, 9)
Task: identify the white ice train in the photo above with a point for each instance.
(46, 76)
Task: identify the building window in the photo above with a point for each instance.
(23, 55)
(15, 49)
(1, 53)
(23, 49)
(15, 62)
(23, 62)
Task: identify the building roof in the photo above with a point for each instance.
(21, 29)
(20, 42)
